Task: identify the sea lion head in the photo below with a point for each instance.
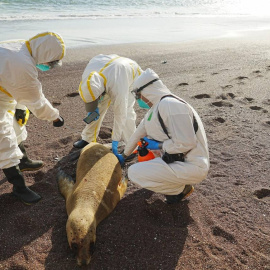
(81, 233)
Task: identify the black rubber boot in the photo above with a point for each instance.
(27, 164)
(80, 144)
(170, 199)
(20, 190)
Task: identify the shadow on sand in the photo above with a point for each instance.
(141, 233)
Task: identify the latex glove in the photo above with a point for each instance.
(89, 119)
(120, 158)
(20, 115)
(115, 147)
(152, 144)
(59, 122)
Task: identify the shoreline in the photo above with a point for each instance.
(84, 32)
(83, 53)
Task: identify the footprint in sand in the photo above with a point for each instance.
(249, 99)
(182, 84)
(226, 96)
(258, 72)
(56, 103)
(262, 193)
(74, 94)
(267, 102)
(201, 96)
(220, 120)
(222, 104)
(241, 78)
(216, 250)
(217, 231)
(239, 183)
(226, 86)
(218, 175)
(66, 140)
(255, 108)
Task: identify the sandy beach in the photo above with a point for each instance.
(224, 224)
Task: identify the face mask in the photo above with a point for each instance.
(100, 99)
(43, 67)
(142, 104)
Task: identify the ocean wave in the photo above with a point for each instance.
(47, 17)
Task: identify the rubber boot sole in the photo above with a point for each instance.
(189, 193)
(31, 169)
(24, 202)
(172, 199)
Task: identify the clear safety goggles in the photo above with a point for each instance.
(137, 92)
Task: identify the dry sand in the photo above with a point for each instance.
(224, 224)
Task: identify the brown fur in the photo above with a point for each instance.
(94, 195)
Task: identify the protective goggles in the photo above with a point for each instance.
(136, 92)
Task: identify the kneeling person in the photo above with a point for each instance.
(174, 128)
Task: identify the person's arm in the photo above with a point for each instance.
(139, 133)
(178, 118)
(28, 92)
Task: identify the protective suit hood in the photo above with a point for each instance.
(47, 47)
(154, 91)
(91, 87)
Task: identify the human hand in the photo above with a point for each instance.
(152, 144)
(59, 122)
(92, 116)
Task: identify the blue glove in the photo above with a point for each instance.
(115, 147)
(120, 158)
(152, 144)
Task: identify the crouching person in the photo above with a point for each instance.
(174, 128)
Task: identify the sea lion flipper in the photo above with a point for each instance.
(65, 183)
(122, 186)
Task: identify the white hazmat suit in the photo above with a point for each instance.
(113, 75)
(156, 174)
(20, 87)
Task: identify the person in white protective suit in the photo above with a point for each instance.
(108, 79)
(21, 90)
(180, 141)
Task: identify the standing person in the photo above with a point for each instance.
(109, 79)
(174, 128)
(21, 90)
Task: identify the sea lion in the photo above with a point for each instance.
(98, 188)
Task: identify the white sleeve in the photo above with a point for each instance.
(21, 107)
(139, 133)
(28, 92)
(178, 119)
